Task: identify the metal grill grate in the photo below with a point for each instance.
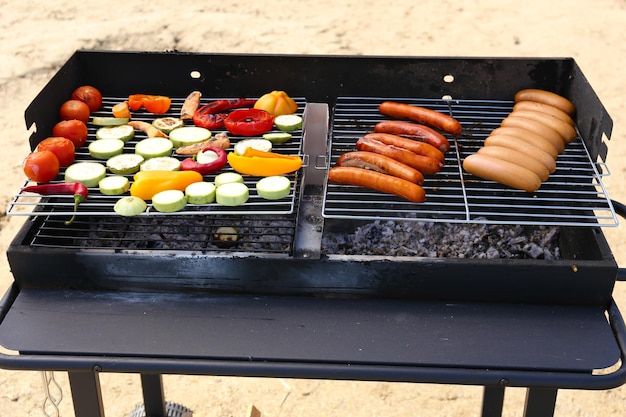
(99, 204)
(574, 195)
(197, 233)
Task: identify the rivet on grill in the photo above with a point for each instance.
(503, 382)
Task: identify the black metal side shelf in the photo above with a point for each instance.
(307, 337)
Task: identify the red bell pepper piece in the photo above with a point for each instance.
(249, 122)
(191, 164)
(212, 116)
(77, 189)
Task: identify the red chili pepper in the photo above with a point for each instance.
(211, 115)
(77, 189)
(191, 164)
(249, 122)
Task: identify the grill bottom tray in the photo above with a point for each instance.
(252, 331)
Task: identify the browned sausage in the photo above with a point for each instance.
(423, 115)
(420, 148)
(377, 181)
(546, 97)
(414, 131)
(502, 172)
(380, 163)
(544, 108)
(423, 164)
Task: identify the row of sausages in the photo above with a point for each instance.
(522, 152)
(396, 157)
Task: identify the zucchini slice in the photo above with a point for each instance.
(169, 201)
(130, 206)
(125, 164)
(288, 122)
(273, 188)
(226, 177)
(258, 144)
(277, 137)
(161, 163)
(105, 148)
(188, 135)
(232, 194)
(109, 121)
(114, 185)
(154, 147)
(123, 132)
(88, 173)
(200, 192)
(167, 124)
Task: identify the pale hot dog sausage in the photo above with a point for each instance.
(503, 172)
(518, 158)
(546, 97)
(524, 147)
(544, 108)
(565, 130)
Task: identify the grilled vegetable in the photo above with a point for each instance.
(258, 144)
(277, 137)
(154, 147)
(212, 115)
(167, 124)
(225, 237)
(169, 201)
(125, 164)
(211, 159)
(153, 103)
(148, 183)
(263, 164)
(76, 189)
(249, 122)
(288, 122)
(200, 193)
(276, 103)
(273, 188)
(109, 121)
(130, 206)
(88, 173)
(161, 163)
(114, 185)
(188, 135)
(226, 177)
(41, 166)
(124, 132)
(106, 148)
(232, 194)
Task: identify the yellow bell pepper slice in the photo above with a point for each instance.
(263, 164)
(147, 183)
(276, 103)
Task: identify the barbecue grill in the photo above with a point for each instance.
(100, 294)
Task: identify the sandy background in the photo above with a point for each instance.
(37, 37)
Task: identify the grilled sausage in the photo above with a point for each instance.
(565, 130)
(531, 137)
(190, 105)
(502, 172)
(516, 157)
(423, 115)
(380, 163)
(420, 148)
(377, 181)
(423, 164)
(544, 108)
(534, 126)
(524, 147)
(414, 131)
(546, 97)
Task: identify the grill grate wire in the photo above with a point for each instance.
(574, 195)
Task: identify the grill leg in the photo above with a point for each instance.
(86, 394)
(493, 401)
(540, 402)
(152, 387)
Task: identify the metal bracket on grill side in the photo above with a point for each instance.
(310, 224)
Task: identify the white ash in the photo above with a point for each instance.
(446, 240)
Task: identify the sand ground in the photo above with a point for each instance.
(38, 36)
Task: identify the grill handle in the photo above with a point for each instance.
(620, 209)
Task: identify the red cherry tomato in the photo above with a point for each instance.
(74, 130)
(41, 166)
(249, 122)
(89, 95)
(63, 148)
(74, 109)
